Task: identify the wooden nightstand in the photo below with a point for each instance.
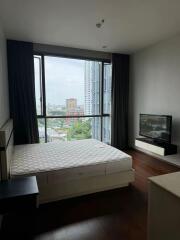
(18, 194)
(18, 198)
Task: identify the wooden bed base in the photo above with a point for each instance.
(66, 189)
(57, 189)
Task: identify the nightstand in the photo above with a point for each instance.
(18, 199)
(18, 194)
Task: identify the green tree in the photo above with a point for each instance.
(57, 113)
(80, 130)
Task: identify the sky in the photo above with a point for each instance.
(64, 79)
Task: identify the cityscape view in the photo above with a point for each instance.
(73, 98)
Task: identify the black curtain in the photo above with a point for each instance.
(22, 91)
(120, 95)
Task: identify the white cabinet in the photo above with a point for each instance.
(164, 207)
(149, 147)
(159, 148)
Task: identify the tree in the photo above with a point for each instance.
(80, 130)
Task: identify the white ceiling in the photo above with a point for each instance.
(129, 24)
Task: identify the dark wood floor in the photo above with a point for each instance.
(118, 215)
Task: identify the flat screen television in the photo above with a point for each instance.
(156, 127)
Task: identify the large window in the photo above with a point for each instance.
(73, 98)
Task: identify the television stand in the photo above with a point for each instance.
(157, 147)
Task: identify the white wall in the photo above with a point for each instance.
(155, 85)
(4, 99)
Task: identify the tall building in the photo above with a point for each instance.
(87, 89)
(72, 109)
(107, 102)
(92, 80)
(91, 105)
(71, 104)
(107, 87)
(92, 101)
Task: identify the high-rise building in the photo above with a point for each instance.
(107, 102)
(87, 89)
(92, 82)
(71, 104)
(72, 109)
(92, 101)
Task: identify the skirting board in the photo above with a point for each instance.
(67, 189)
(171, 159)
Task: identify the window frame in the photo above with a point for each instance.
(44, 115)
(40, 81)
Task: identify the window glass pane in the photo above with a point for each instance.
(72, 86)
(68, 129)
(41, 128)
(107, 88)
(106, 130)
(38, 84)
(96, 128)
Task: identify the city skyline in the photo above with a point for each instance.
(61, 84)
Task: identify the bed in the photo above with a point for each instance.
(65, 169)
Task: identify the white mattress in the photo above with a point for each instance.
(91, 156)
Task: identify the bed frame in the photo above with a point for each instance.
(53, 187)
(6, 149)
